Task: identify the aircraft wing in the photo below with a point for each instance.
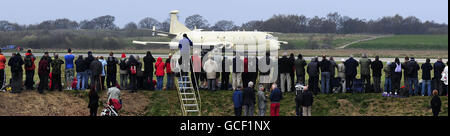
(161, 33)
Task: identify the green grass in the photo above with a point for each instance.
(300, 40)
(410, 42)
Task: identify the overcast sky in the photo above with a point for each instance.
(239, 11)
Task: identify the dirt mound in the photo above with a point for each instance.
(133, 104)
(31, 103)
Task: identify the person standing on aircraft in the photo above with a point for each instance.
(185, 51)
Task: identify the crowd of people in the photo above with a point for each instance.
(99, 73)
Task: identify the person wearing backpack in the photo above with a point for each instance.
(2, 68)
(111, 70)
(132, 63)
(159, 66)
(43, 73)
(29, 69)
(81, 75)
(69, 72)
(16, 63)
(396, 69)
(56, 72)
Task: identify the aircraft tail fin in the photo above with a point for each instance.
(176, 26)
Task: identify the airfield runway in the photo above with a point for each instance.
(419, 60)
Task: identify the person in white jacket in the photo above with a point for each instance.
(445, 78)
(211, 70)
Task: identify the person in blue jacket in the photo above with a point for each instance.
(237, 100)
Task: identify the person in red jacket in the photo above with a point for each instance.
(159, 66)
(2, 68)
(29, 69)
(170, 74)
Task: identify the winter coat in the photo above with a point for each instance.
(211, 69)
(365, 66)
(2, 61)
(276, 95)
(436, 103)
(159, 66)
(124, 62)
(262, 100)
(237, 99)
(56, 65)
(325, 65)
(16, 63)
(80, 66)
(308, 98)
(313, 69)
(387, 71)
(248, 96)
(413, 69)
(341, 71)
(426, 71)
(351, 66)
(112, 65)
(96, 67)
(333, 67)
(376, 67)
(33, 58)
(300, 66)
(438, 68)
(148, 63)
(93, 100)
(285, 65)
(88, 61)
(168, 66)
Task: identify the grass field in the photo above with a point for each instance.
(402, 42)
(300, 40)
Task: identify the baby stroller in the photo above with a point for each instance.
(111, 108)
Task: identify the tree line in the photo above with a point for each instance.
(331, 23)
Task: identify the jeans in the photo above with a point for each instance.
(413, 81)
(387, 84)
(124, 81)
(238, 111)
(248, 110)
(81, 77)
(426, 83)
(285, 77)
(88, 76)
(29, 79)
(325, 82)
(169, 84)
(111, 80)
(159, 82)
(212, 85)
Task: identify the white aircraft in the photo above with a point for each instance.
(238, 41)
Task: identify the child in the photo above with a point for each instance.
(237, 100)
(436, 103)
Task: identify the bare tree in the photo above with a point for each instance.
(196, 21)
(223, 25)
(148, 23)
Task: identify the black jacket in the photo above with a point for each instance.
(148, 63)
(248, 96)
(87, 62)
(285, 65)
(313, 69)
(111, 65)
(93, 100)
(325, 65)
(438, 68)
(96, 67)
(413, 69)
(16, 63)
(351, 66)
(80, 66)
(426, 71)
(376, 67)
(308, 98)
(436, 103)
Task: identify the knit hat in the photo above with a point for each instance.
(123, 55)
